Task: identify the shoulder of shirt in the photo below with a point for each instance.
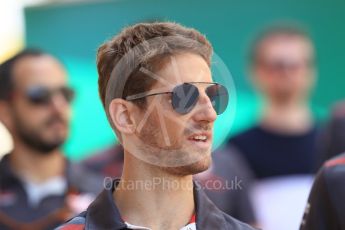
(236, 224)
(336, 161)
(76, 223)
(333, 172)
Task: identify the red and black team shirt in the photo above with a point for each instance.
(326, 205)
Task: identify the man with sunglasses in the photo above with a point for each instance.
(37, 184)
(156, 87)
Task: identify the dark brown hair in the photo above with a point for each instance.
(175, 39)
(7, 84)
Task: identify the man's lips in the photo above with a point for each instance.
(57, 125)
(56, 121)
(201, 140)
(201, 137)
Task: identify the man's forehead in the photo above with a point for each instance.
(287, 47)
(184, 68)
(39, 70)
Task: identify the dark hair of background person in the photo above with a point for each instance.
(288, 31)
(7, 84)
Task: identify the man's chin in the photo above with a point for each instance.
(190, 169)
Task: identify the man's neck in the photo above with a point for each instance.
(150, 197)
(36, 167)
(290, 117)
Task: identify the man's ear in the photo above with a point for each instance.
(120, 112)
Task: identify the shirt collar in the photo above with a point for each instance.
(103, 213)
(8, 176)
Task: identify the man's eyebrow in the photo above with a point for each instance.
(155, 76)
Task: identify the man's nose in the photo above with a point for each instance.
(204, 110)
(59, 102)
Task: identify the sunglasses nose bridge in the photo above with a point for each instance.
(58, 100)
(204, 107)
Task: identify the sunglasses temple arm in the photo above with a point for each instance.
(142, 95)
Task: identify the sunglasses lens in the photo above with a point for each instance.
(67, 93)
(43, 96)
(219, 97)
(184, 98)
(38, 95)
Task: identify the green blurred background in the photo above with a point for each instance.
(73, 32)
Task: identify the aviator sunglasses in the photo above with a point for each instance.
(186, 95)
(40, 95)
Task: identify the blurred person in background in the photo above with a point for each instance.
(38, 188)
(228, 182)
(333, 134)
(107, 162)
(325, 209)
(281, 148)
(282, 69)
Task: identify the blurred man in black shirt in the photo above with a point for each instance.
(283, 143)
(38, 189)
